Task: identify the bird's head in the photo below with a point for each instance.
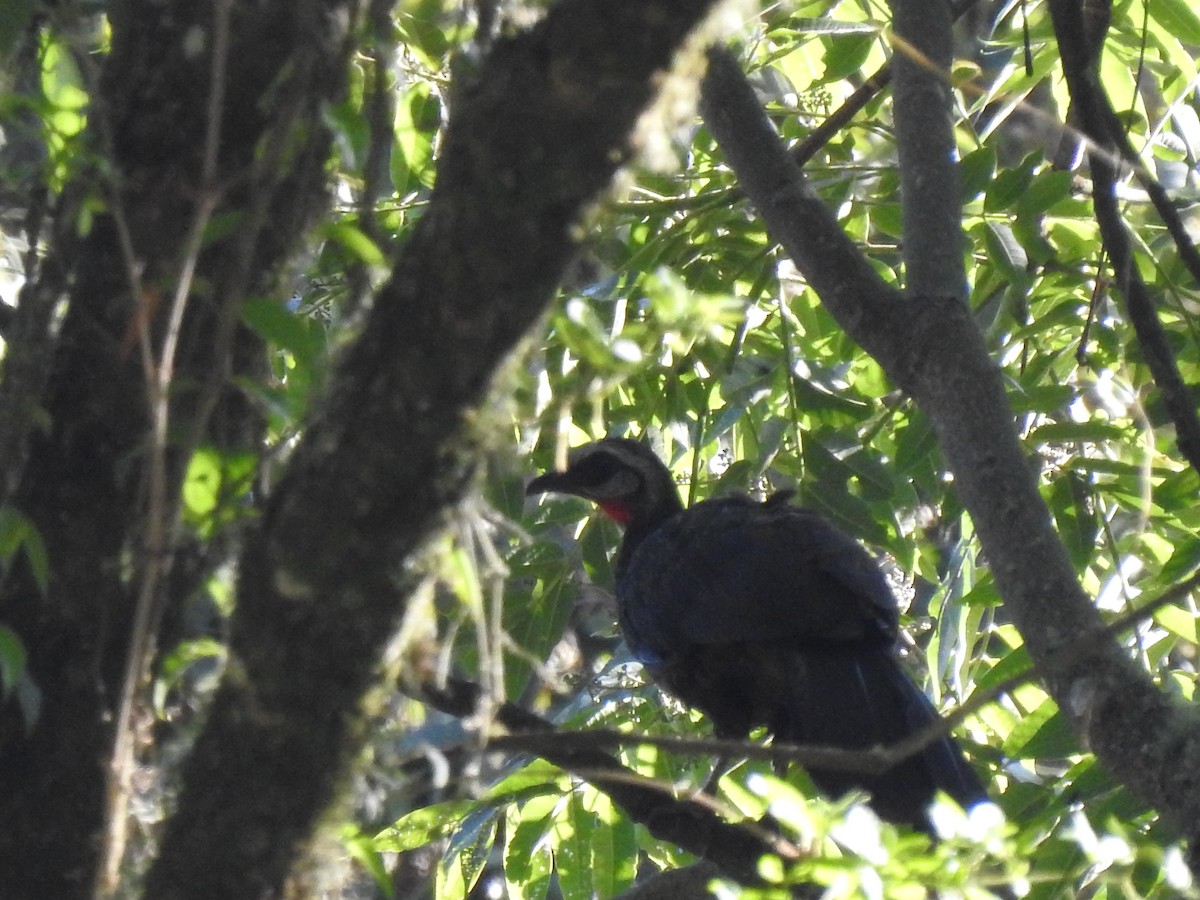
(623, 477)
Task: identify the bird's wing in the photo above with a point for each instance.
(735, 571)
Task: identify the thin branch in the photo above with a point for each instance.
(161, 509)
(1085, 49)
(688, 821)
(795, 216)
(1099, 122)
(934, 351)
(843, 115)
(396, 444)
(1167, 211)
(918, 741)
(380, 106)
(881, 78)
(875, 84)
(545, 739)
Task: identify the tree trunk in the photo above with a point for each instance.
(536, 136)
(84, 485)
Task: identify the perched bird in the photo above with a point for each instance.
(765, 614)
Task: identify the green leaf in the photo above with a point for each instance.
(1179, 622)
(1014, 662)
(213, 487)
(528, 859)
(356, 244)
(12, 660)
(1092, 431)
(1178, 490)
(418, 117)
(801, 25)
(583, 853)
(1005, 251)
(1072, 501)
(537, 608)
(1006, 189)
(976, 170)
(62, 87)
(1047, 189)
(471, 843)
(423, 826)
(1169, 150)
(1042, 733)
(202, 483)
(530, 781)
(422, 28)
(846, 54)
(363, 850)
(1178, 17)
(274, 322)
(17, 532)
(1184, 559)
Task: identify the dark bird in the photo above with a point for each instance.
(765, 614)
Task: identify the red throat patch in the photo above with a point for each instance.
(617, 510)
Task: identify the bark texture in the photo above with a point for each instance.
(82, 478)
(535, 137)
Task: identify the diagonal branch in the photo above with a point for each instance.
(686, 821)
(875, 84)
(791, 209)
(933, 350)
(1099, 123)
(536, 134)
(577, 751)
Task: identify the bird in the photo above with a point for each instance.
(764, 613)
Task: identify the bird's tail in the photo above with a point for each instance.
(860, 698)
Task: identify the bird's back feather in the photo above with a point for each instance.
(766, 614)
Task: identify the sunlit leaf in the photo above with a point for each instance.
(424, 825)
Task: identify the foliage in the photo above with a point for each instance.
(683, 321)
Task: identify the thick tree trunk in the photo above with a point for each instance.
(84, 482)
(536, 136)
(52, 792)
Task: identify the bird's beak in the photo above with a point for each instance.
(551, 482)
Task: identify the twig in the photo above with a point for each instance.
(531, 734)
(686, 820)
(380, 112)
(841, 117)
(161, 509)
(875, 84)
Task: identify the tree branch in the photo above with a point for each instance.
(870, 761)
(877, 82)
(793, 213)
(1103, 130)
(535, 137)
(929, 187)
(934, 351)
(686, 821)
(81, 478)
